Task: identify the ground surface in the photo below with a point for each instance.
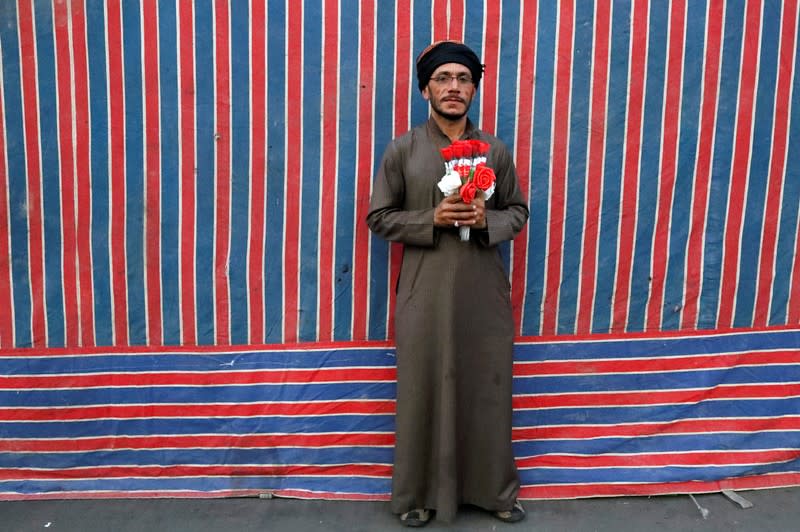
(774, 510)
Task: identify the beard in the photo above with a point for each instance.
(453, 116)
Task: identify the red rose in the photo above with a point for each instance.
(447, 153)
(483, 177)
(468, 192)
(485, 146)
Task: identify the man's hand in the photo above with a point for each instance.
(452, 212)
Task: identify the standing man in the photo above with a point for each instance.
(453, 321)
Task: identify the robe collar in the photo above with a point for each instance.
(441, 140)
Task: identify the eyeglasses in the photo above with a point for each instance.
(447, 79)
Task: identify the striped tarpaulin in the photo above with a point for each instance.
(191, 178)
(617, 416)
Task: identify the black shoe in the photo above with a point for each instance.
(416, 518)
(514, 515)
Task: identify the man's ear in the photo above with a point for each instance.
(425, 93)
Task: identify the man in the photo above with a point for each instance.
(453, 321)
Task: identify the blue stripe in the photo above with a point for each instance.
(678, 380)
(349, 87)
(547, 20)
(576, 170)
(50, 167)
(240, 55)
(474, 16)
(727, 110)
(338, 484)
(650, 475)
(191, 395)
(16, 176)
(170, 173)
(506, 110)
(383, 131)
(659, 444)
(200, 425)
(612, 170)
(134, 173)
(312, 155)
(198, 361)
(176, 457)
(788, 230)
(699, 345)
(760, 157)
(98, 109)
(276, 168)
(685, 166)
(728, 409)
(422, 36)
(206, 139)
(649, 164)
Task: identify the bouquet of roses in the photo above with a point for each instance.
(466, 173)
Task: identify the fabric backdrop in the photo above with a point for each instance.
(185, 267)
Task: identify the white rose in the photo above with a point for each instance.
(450, 183)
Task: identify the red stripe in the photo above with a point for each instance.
(594, 173)
(780, 130)
(630, 179)
(491, 57)
(219, 410)
(83, 172)
(6, 301)
(741, 163)
(222, 214)
(455, 31)
(402, 123)
(291, 224)
(402, 67)
(527, 62)
(793, 310)
(568, 491)
(702, 179)
(117, 207)
(669, 152)
(30, 113)
(213, 378)
(364, 171)
(194, 441)
(683, 426)
(153, 176)
(313, 347)
(558, 178)
(66, 168)
(655, 365)
(188, 159)
(330, 149)
(439, 20)
(657, 397)
(176, 471)
(690, 459)
(258, 111)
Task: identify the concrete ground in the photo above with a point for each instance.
(773, 510)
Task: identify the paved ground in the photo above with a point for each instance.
(773, 510)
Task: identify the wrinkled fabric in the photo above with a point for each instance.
(454, 331)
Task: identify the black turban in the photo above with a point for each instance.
(447, 52)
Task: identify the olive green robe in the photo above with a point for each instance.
(453, 330)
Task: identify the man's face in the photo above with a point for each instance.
(449, 92)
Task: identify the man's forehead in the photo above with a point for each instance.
(451, 68)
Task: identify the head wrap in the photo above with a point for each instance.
(444, 52)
